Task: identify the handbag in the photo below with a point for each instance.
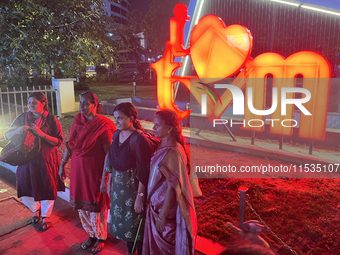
(15, 152)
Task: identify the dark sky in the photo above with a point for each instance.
(141, 5)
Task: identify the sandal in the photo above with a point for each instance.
(36, 218)
(46, 225)
(98, 246)
(86, 244)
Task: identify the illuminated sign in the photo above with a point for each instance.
(219, 51)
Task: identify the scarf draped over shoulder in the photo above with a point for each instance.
(31, 138)
(83, 134)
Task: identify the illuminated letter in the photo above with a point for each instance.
(165, 67)
(315, 71)
(176, 30)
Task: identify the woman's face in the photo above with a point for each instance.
(122, 121)
(35, 106)
(160, 128)
(86, 107)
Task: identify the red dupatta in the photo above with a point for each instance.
(83, 134)
(30, 137)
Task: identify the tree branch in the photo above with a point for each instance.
(74, 21)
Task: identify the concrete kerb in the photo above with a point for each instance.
(260, 149)
(261, 152)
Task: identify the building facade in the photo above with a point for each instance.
(118, 10)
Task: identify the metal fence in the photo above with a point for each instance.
(14, 102)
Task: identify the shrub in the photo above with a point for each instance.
(83, 84)
(101, 70)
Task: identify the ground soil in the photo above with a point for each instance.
(303, 213)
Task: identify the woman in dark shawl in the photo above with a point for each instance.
(129, 162)
(90, 140)
(38, 180)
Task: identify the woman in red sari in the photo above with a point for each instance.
(90, 140)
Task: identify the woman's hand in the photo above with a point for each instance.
(160, 224)
(37, 131)
(109, 185)
(139, 204)
(62, 172)
(109, 190)
(18, 131)
(103, 186)
(21, 130)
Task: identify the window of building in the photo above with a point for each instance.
(115, 8)
(123, 12)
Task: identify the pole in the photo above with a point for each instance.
(52, 76)
(252, 137)
(242, 191)
(203, 126)
(311, 143)
(281, 142)
(52, 71)
(229, 132)
(134, 89)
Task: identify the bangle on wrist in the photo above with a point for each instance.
(63, 160)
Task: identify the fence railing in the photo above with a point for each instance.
(14, 102)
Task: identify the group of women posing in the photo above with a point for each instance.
(148, 192)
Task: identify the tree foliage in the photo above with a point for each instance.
(70, 34)
(156, 24)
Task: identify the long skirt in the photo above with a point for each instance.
(125, 222)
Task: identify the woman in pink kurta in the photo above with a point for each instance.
(171, 224)
(90, 140)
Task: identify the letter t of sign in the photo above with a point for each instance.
(165, 67)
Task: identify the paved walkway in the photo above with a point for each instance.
(63, 238)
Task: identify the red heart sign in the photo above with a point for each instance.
(218, 51)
